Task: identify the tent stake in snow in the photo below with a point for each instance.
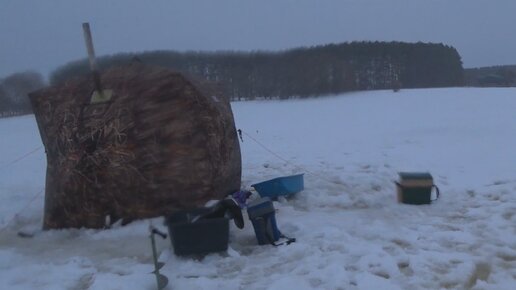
(161, 280)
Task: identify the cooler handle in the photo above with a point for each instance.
(436, 191)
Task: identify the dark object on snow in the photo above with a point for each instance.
(191, 235)
(416, 188)
(150, 144)
(263, 217)
(280, 186)
(25, 235)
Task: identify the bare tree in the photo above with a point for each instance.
(508, 75)
(15, 89)
(5, 102)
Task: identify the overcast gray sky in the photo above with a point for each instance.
(41, 35)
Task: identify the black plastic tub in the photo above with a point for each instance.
(197, 237)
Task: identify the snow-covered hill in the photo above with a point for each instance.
(351, 233)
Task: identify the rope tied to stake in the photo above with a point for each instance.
(287, 161)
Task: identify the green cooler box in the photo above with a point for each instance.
(416, 188)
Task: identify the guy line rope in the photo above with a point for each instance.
(8, 165)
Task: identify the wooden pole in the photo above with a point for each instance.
(91, 56)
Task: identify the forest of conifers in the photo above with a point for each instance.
(304, 72)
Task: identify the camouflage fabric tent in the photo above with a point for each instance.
(155, 144)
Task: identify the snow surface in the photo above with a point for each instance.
(351, 233)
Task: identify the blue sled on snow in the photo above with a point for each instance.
(280, 186)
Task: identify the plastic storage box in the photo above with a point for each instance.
(200, 237)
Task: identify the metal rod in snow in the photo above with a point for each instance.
(91, 56)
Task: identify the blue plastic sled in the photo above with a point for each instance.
(280, 186)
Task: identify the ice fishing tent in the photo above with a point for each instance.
(151, 144)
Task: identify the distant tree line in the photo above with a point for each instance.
(14, 91)
(491, 76)
(304, 72)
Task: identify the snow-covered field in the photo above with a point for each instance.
(351, 233)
